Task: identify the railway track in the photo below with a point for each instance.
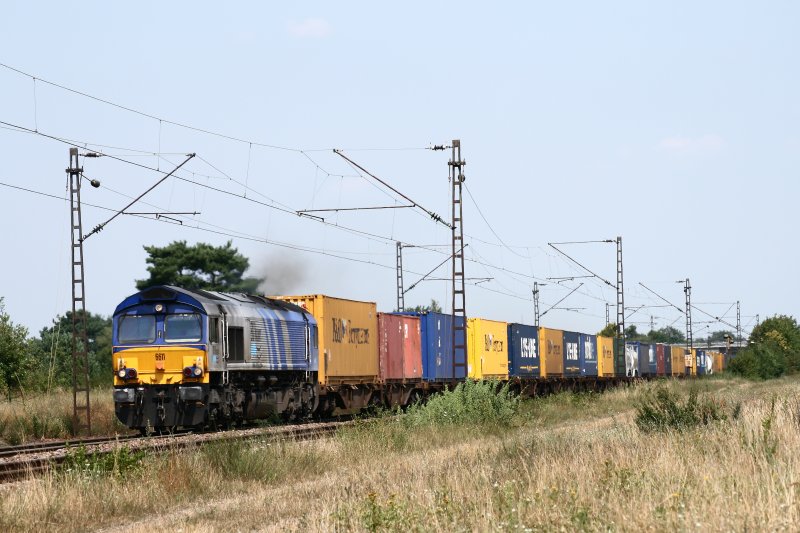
(21, 462)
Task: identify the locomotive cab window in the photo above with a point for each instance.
(182, 327)
(133, 329)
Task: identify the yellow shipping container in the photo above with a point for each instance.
(678, 360)
(348, 338)
(487, 349)
(551, 352)
(605, 356)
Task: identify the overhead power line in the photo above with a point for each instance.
(552, 245)
(489, 225)
(100, 227)
(430, 213)
(661, 297)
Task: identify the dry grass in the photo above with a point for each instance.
(570, 463)
(43, 416)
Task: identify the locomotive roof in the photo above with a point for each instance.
(210, 301)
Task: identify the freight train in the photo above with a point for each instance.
(203, 359)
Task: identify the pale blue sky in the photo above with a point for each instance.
(672, 124)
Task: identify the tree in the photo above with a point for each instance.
(13, 351)
(609, 331)
(434, 307)
(51, 351)
(202, 266)
(783, 334)
(667, 335)
(631, 333)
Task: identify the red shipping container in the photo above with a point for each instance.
(660, 368)
(400, 347)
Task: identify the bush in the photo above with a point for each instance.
(759, 361)
(470, 402)
(121, 463)
(663, 411)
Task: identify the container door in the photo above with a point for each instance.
(587, 346)
(571, 354)
(632, 359)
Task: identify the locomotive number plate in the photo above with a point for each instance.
(160, 356)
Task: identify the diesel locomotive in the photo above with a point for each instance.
(194, 358)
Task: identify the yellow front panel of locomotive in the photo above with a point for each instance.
(160, 365)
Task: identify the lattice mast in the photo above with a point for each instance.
(458, 309)
(620, 355)
(81, 407)
(401, 302)
(687, 289)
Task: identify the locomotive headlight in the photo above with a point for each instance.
(127, 373)
(159, 308)
(192, 372)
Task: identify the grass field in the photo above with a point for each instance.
(49, 416)
(468, 463)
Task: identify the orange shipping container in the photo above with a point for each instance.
(551, 352)
(678, 360)
(719, 362)
(605, 356)
(348, 338)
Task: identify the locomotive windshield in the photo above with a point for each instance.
(183, 327)
(136, 329)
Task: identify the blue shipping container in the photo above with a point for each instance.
(437, 342)
(572, 367)
(701, 362)
(668, 359)
(587, 346)
(523, 351)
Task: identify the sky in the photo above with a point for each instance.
(675, 125)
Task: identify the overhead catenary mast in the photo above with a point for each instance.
(687, 288)
(458, 309)
(400, 291)
(81, 407)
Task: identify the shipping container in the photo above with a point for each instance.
(632, 359)
(551, 343)
(605, 358)
(348, 338)
(572, 365)
(678, 360)
(620, 358)
(647, 359)
(667, 360)
(587, 354)
(660, 363)
(437, 341)
(400, 347)
(523, 351)
(700, 361)
(692, 359)
(719, 362)
(487, 348)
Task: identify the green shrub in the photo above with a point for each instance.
(664, 411)
(122, 462)
(759, 361)
(470, 402)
